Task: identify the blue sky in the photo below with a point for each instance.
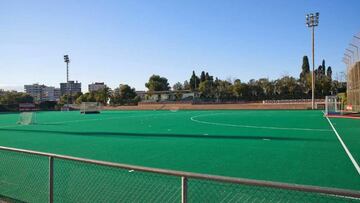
(126, 41)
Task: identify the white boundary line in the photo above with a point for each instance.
(345, 148)
(250, 126)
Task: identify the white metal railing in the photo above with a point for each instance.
(185, 176)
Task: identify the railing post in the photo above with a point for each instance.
(184, 189)
(51, 179)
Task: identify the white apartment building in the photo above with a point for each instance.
(42, 93)
(96, 86)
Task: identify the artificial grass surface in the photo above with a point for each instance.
(287, 146)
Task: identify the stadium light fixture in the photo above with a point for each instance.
(346, 61)
(357, 50)
(348, 57)
(352, 53)
(312, 20)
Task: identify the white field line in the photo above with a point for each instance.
(250, 126)
(356, 165)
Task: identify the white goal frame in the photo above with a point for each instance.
(90, 107)
(332, 106)
(27, 118)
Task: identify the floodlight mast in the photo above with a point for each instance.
(312, 20)
(67, 61)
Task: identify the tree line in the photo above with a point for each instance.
(208, 87)
(286, 87)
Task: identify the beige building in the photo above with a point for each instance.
(96, 86)
(42, 93)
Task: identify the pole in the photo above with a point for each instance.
(67, 83)
(51, 179)
(183, 189)
(313, 70)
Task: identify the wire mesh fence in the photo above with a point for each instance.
(353, 86)
(24, 176)
(108, 184)
(213, 191)
(40, 177)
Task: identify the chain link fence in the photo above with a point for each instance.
(28, 176)
(353, 86)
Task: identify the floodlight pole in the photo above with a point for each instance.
(312, 20)
(313, 70)
(67, 61)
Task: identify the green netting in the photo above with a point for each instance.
(23, 177)
(212, 191)
(81, 182)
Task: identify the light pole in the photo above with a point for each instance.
(312, 20)
(67, 61)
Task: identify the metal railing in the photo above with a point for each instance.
(277, 189)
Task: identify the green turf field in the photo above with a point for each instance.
(277, 145)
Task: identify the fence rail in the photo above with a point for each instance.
(187, 179)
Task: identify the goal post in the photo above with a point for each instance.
(27, 118)
(90, 107)
(333, 106)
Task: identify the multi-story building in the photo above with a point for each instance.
(42, 92)
(96, 86)
(51, 94)
(36, 91)
(57, 94)
(71, 87)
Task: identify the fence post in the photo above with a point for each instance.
(51, 179)
(184, 189)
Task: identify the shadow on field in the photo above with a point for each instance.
(164, 135)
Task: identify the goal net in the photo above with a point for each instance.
(90, 107)
(332, 105)
(27, 118)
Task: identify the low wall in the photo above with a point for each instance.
(212, 106)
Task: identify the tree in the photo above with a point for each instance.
(321, 70)
(205, 89)
(329, 72)
(224, 90)
(178, 86)
(186, 85)
(305, 68)
(208, 77)
(202, 76)
(10, 100)
(287, 87)
(194, 81)
(124, 94)
(102, 96)
(15, 98)
(157, 83)
(70, 98)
